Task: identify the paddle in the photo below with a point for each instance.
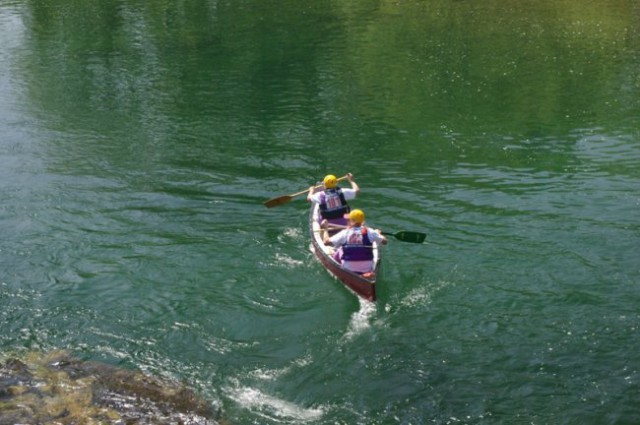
(404, 236)
(274, 202)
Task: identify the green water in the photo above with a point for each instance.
(139, 140)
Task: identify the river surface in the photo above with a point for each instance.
(138, 141)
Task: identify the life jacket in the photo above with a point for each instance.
(333, 204)
(358, 246)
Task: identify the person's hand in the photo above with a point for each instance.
(350, 177)
(312, 188)
(324, 224)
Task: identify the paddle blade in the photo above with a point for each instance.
(277, 201)
(413, 237)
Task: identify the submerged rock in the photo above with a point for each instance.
(56, 388)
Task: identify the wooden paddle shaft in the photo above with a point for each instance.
(274, 202)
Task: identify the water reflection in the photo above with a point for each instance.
(156, 79)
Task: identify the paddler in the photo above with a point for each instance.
(355, 244)
(333, 199)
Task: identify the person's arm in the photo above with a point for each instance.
(336, 240)
(380, 237)
(354, 185)
(310, 194)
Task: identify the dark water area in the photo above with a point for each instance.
(140, 139)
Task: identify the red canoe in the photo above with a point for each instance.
(364, 287)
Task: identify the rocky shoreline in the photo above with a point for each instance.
(56, 388)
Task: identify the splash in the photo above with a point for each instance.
(282, 261)
(293, 232)
(416, 297)
(360, 320)
(287, 261)
(423, 295)
(272, 374)
(274, 408)
(290, 233)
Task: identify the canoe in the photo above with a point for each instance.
(364, 287)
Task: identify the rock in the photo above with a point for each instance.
(55, 388)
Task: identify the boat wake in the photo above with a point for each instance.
(361, 320)
(417, 297)
(424, 294)
(273, 408)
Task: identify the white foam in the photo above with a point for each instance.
(272, 374)
(287, 261)
(283, 261)
(417, 296)
(293, 232)
(422, 295)
(273, 407)
(290, 233)
(360, 320)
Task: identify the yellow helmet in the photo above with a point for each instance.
(330, 181)
(356, 216)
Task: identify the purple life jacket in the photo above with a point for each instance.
(358, 246)
(333, 204)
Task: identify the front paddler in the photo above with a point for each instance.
(355, 244)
